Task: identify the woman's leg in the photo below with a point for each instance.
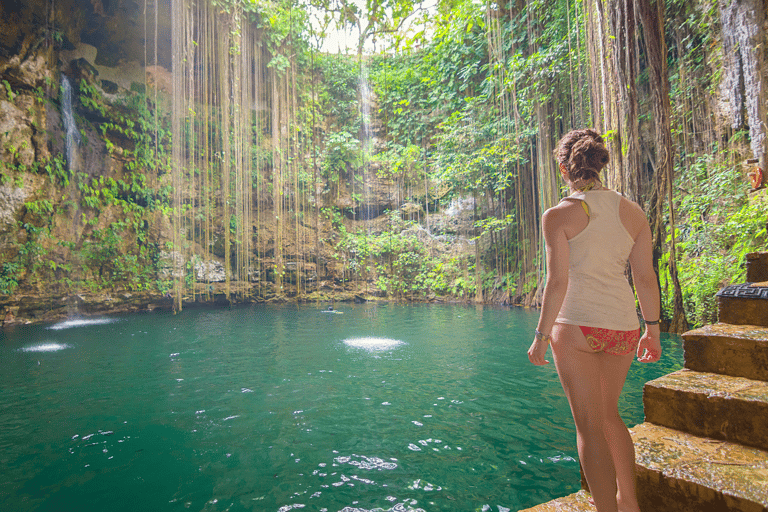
(585, 375)
(614, 371)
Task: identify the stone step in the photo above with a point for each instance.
(737, 350)
(743, 304)
(576, 502)
(757, 267)
(710, 405)
(679, 472)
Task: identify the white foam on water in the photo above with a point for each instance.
(46, 347)
(372, 343)
(81, 322)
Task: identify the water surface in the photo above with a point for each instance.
(277, 408)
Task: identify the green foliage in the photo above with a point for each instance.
(464, 286)
(417, 90)
(718, 225)
(285, 27)
(473, 156)
(338, 91)
(495, 224)
(9, 277)
(15, 152)
(401, 265)
(105, 257)
(694, 66)
(40, 208)
(57, 170)
(381, 21)
(33, 252)
(405, 163)
(402, 96)
(342, 151)
(102, 250)
(8, 90)
(91, 98)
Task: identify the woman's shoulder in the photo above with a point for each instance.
(630, 206)
(562, 212)
(632, 216)
(564, 206)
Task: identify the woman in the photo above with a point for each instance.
(589, 315)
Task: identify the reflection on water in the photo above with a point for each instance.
(371, 343)
(81, 322)
(45, 347)
(276, 408)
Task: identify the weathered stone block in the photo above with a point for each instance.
(737, 350)
(710, 405)
(678, 472)
(743, 304)
(757, 267)
(576, 502)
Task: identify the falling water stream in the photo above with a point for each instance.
(366, 98)
(70, 126)
(277, 408)
(366, 141)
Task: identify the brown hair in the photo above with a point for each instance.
(583, 153)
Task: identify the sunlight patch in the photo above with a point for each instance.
(46, 347)
(81, 322)
(371, 343)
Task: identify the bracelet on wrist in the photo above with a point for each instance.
(651, 322)
(543, 337)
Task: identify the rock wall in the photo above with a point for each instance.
(744, 71)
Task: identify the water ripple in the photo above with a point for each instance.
(363, 462)
(400, 507)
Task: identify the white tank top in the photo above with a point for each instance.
(599, 294)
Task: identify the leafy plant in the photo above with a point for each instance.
(342, 151)
(8, 90)
(9, 277)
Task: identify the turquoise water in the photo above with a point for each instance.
(277, 408)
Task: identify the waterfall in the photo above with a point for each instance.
(365, 108)
(73, 135)
(366, 139)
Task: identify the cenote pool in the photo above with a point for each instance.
(277, 408)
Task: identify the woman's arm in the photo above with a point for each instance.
(558, 251)
(647, 288)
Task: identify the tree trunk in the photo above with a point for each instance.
(478, 254)
(652, 16)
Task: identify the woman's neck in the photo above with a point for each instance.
(586, 185)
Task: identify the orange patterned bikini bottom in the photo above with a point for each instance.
(617, 343)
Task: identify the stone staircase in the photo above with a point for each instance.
(704, 444)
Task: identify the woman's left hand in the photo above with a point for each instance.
(537, 352)
(649, 348)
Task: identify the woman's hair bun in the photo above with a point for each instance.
(583, 153)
